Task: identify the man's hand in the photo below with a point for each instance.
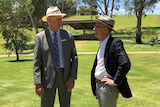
(39, 90)
(95, 96)
(70, 84)
(108, 81)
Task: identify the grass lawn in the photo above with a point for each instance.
(16, 81)
(17, 89)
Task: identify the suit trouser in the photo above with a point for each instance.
(107, 95)
(48, 98)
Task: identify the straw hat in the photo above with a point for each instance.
(52, 11)
(107, 21)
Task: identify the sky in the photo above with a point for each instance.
(156, 9)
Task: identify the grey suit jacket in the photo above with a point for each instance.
(44, 59)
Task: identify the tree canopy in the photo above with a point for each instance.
(13, 22)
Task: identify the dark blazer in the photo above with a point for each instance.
(117, 65)
(44, 59)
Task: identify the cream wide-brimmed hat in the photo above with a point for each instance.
(107, 21)
(52, 11)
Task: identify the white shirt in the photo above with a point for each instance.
(60, 46)
(100, 70)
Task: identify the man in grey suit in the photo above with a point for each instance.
(55, 61)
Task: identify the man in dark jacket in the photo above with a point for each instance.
(108, 75)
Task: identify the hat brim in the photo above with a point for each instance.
(106, 24)
(44, 18)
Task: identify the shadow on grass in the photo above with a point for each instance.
(151, 28)
(21, 60)
(130, 33)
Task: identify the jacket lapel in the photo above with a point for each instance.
(50, 44)
(108, 46)
(106, 54)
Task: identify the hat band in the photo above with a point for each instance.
(55, 12)
(107, 23)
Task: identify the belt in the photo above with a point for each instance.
(98, 81)
(59, 69)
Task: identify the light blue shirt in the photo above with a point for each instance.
(60, 46)
(100, 70)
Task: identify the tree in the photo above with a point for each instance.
(67, 6)
(13, 23)
(39, 10)
(83, 10)
(92, 7)
(139, 8)
(15, 41)
(29, 9)
(114, 6)
(40, 7)
(107, 4)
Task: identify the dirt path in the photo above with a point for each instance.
(88, 53)
(137, 52)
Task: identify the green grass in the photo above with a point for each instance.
(144, 79)
(16, 82)
(17, 89)
(87, 46)
(125, 27)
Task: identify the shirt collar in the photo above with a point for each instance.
(102, 43)
(51, 32)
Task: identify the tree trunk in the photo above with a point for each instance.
(31, 18)
(138, 36)
(91, 12)
(138, 28)
(100, 7)
(106, 6)
(17, 55)
(112, 8)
